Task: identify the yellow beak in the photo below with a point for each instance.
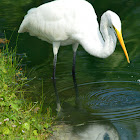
(120, 38)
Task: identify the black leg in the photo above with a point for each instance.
(54, 84)
(74, 79)
(73, 66)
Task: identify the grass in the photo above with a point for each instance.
(20, 118)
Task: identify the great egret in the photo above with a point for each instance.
(65, 22)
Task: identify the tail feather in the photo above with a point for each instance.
(21, 29)
(26, 20)
(23, 25)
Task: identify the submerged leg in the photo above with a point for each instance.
(56, 46)
(75, 46)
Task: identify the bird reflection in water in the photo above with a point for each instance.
(75, 123)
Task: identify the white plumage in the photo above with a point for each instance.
(65, 22)
(73, 21)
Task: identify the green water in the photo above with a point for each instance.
(109, 89)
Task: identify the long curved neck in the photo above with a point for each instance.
(100, 44)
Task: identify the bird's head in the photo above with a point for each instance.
(114, 22)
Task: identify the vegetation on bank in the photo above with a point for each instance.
(20, 118)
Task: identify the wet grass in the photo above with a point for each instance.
(20, 118)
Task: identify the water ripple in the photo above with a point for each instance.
(115, 103)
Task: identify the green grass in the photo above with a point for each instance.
(20, 118)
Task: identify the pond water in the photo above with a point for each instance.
(109, 89)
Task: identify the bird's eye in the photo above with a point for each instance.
(110, 27)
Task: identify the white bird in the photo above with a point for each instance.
(65, 22)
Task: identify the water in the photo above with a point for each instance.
(109, 89)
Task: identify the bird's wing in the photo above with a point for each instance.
(60, 19)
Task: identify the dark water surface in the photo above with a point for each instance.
(109, 89)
